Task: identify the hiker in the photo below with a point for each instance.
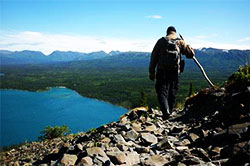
(166, 57)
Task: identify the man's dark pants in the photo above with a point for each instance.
(166, 88)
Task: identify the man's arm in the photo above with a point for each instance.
(154, 60)
(186, 49)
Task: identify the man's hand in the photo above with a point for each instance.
(190, 52)
(152, 76)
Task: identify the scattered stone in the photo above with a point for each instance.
(86, 161)
(183, 142)
(150, 128)
(95, 151)
(193, 137)
(119, 138)
(149, 138)
(201, 153)
(131, 135)
(164, 144)
(117, 157)
(155, 160)
(136, 126)
(79, 147)
(181, 148)
(132, 158)
(68, 159)
(105, 140)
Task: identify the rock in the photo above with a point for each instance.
(131, 135)
(193, 161)
(183, 142)
(238, 128)
(122, 147)
(155, 160)
(79, 147)
(149, 138)
(136, 126)
(164, 144)
(132, 158)
(99, 160)
(215, 151)
(150, 128)
(158, 132)
(95, 151)
(136, 113)
(172, 139)
(124, 119)
(68, 159)
(117, 157)
(124, 127)
(176, 130)
(205, 133)
(119, 138)
(105, 140)
(181, 148)
(199, 152)
(142, 149)
(86, 161)
(16, 163)
(113, 149)
(193, 137)
(230, 150)
(156, 112)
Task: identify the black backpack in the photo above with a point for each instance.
(170, 58)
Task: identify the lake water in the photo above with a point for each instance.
(24, 114)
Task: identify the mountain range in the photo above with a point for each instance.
(210, 58)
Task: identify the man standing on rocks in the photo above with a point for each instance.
(166, 57)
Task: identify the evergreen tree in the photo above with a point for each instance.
(143, 99)
(191, 89)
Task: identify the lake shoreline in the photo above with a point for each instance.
(49, 88)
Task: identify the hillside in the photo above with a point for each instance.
(212, 129)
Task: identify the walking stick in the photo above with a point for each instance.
(201, 68)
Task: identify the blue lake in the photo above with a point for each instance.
(24, 114)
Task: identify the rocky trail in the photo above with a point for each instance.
(213, 130)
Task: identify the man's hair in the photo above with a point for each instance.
(170, 29)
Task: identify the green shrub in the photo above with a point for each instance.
(92, 130)
(54, 132)
(239, 79)
(241, 76)
(143, 99)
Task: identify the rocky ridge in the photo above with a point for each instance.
(213, 129)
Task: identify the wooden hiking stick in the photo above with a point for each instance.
(201, 68)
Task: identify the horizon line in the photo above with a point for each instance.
(114, 50)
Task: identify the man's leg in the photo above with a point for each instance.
(162, 94)
(172, 92)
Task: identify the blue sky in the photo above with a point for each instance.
(126, 25)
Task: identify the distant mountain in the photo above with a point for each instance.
(65, 55)
(30, 57)
(114, 53)
(93, 55)
(210, 58)
(22, 57)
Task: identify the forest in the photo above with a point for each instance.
(118, 85)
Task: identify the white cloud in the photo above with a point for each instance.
(48, 43)
(155, 17)
(206, 41)
(244, 39)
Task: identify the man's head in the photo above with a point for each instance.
(171, 29)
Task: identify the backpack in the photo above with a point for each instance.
(170, 58)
